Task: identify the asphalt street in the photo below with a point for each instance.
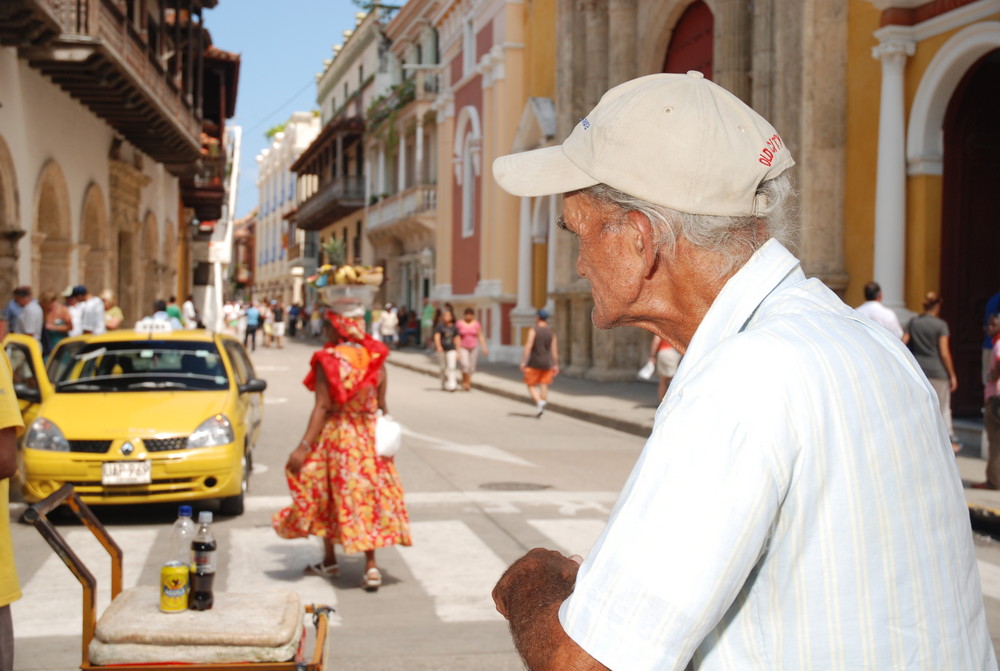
(485, 481)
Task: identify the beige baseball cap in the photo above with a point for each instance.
(676, 140)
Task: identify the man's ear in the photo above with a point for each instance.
(642, 240)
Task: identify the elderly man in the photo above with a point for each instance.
(791, 509)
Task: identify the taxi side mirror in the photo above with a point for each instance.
(252, 386)
(26, 393)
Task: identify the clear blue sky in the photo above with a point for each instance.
(282, 44)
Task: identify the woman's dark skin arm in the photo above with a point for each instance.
(529, 595)
(382, 378)
(323, 406)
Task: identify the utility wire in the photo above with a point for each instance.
(295, 95)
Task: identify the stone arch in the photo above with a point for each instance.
(660, 18)
(924, 139)
(10, 228)
(96, 271)
(51, 232)
(149, 258)
(691, 41)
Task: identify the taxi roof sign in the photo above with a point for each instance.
(153, 325)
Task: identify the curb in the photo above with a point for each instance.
(622, 425)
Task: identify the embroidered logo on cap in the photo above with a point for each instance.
(774, 145)
(585, 123)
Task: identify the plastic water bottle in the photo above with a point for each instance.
(181, 536)
(202, 564)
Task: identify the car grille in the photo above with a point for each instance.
(91, 446)
(164, 444)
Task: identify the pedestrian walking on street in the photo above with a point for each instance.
(991, 407)
(278, 314)
(470, 333)
(446, 345)
(388, 325)
(58, 321)
(113, 315)
(878, 313)
(341, 490)
(253, 322)
(540, 360)
(31, 318)
(797, 504)
(666, 359)
(427, 314)
(927, 337)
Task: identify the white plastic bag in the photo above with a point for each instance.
(646, 372)
(388, 436)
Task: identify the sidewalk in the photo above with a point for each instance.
(630, 406)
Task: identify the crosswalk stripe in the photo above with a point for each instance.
(260, 561)
(462, 592)
(573, 536)
(52, 604)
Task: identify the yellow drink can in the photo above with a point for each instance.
(175, 584)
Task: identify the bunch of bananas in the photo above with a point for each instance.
(330, 275)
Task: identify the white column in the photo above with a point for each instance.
(401, 161)
(524, 259)
(550, 264)
(381, 170)
(418, 163)
(890, 195)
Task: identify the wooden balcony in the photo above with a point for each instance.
(335, 199)
(92, 51)
(204, 191)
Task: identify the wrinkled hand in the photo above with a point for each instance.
(296, 459)
(538, 578)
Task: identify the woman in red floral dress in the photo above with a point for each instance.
(341, 490)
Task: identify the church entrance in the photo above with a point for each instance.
(970, 231)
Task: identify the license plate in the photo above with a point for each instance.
(127, 472)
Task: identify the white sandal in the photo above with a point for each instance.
(371, 580)
(331, 571)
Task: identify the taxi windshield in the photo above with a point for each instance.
(141, 365)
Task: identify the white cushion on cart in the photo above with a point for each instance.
(261, 627)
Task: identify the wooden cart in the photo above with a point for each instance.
(37, 515)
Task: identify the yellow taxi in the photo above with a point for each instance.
(148, 416)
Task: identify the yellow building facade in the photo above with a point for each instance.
(923, 96)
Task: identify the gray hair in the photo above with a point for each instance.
(735, 239)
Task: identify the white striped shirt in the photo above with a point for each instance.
(797, 505)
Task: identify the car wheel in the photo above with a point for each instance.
(233, 505)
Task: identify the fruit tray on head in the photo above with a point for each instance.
(345, 298)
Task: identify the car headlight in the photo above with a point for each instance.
(45, 435)
(213, 432)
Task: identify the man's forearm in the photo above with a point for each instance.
(544, 645)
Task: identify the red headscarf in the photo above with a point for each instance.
(347, 367)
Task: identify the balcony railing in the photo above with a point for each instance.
(415, 201)
(92, 51)
(334, 199)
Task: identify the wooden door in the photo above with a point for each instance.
(970, 227)
(691, 43)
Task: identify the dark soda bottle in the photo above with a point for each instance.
(202, 564)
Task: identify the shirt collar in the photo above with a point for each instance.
(739, 299)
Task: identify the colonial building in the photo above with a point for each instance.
(402, 151)
(481, 102)
(106, 108)
(922, 141)
(781, 56)
(331, 171)
(280, 264)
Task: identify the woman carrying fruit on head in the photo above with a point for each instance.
(341, 490)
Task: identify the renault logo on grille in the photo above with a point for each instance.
(127, 449)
